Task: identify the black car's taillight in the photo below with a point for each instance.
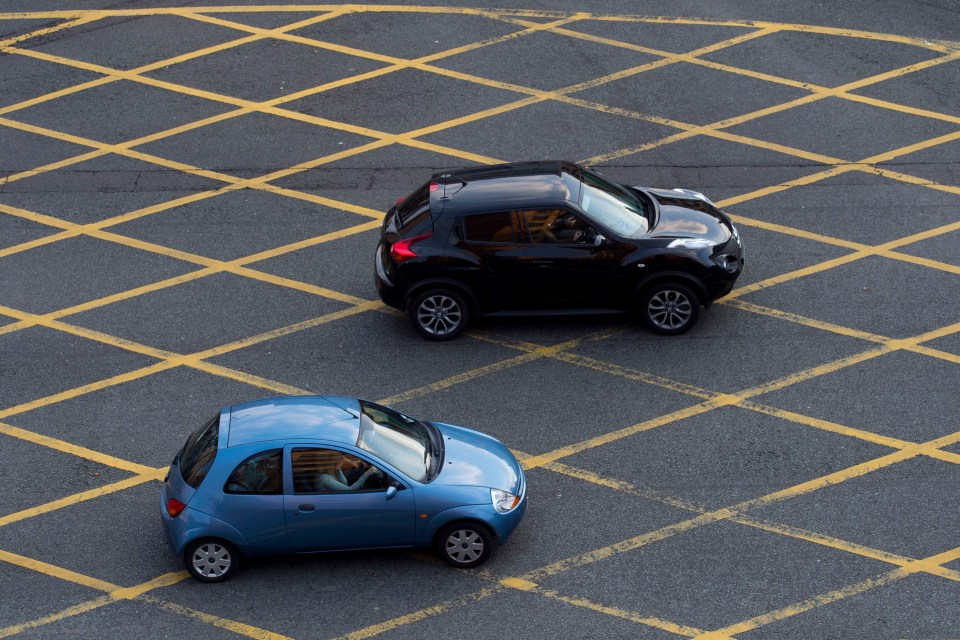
(402, 250)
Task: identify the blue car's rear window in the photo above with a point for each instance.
(198, 453)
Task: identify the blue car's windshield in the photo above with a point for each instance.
(612, 206)
(396, 439)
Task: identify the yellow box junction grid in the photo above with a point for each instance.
(901, 450)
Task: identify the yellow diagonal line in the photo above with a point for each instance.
(726, 513)
(77, 498)
(75, 450)
(267, 106)
(884, 104)
(836, 262)
(115, 75)
(56, 572)
(69, 612)
(86, 18)
(817, 95)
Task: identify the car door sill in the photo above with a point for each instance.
(553, 312)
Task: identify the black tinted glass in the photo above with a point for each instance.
(198, 453)
(489, 227)
(258, 474)
(413, 205)
(556, 226)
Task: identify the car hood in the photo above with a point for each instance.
(474, 458)
(688, 214)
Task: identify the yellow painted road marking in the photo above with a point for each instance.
(806, 605)
(81, 19)
(741, 508)
(76, 450)
(56, 572)
(519, 583)
(747, 520)
(894, 344)
(69, 612)
(535, 354)
(165, 580)
(114, 592)
(421, 614)
(77, 498)
(616, 612)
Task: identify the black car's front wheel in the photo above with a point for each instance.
(670, 308)
(439, 314)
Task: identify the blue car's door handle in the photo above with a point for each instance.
(306, 507)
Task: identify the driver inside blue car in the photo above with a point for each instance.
(345, 476)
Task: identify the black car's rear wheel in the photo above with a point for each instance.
(670, 308)
(439, 314)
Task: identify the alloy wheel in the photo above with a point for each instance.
(439, 314)
(669, 309)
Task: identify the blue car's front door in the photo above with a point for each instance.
(339, 501)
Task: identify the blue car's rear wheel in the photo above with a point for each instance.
(465, 544)
(211, 560)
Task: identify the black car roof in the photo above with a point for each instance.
(513, 184)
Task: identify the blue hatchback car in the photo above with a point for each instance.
(307, 474)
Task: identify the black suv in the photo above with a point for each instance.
(552, 237)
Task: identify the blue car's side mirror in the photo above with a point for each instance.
(391, 491)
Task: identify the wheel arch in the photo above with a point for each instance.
(434, 538)
(457, 286)
(680, 277)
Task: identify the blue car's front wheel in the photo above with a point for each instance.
(211, 560)
(465, 544)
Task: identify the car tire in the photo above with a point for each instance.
(670, 308)
(465, 544)
(439, 314)
(211, 560)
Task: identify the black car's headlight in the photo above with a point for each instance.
(690, 243)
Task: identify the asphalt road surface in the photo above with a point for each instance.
(190, 197)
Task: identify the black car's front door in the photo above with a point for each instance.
(489, 256)
(567, 270)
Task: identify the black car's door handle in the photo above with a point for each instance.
(542, 263)
(306, 507)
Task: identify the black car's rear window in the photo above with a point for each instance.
(413, 206)
(199, 451)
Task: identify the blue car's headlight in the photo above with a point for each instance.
(503, 501)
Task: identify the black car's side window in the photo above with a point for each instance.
(489, 227)
(259, 474)
(330, 471)
(556, 226)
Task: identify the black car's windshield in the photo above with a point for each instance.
(396, 439)
(612, 206)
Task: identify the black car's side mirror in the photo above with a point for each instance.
(600, 242)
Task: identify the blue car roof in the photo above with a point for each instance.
(311, 417)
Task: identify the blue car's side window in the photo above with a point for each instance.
(259, 474)
(330, 471)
